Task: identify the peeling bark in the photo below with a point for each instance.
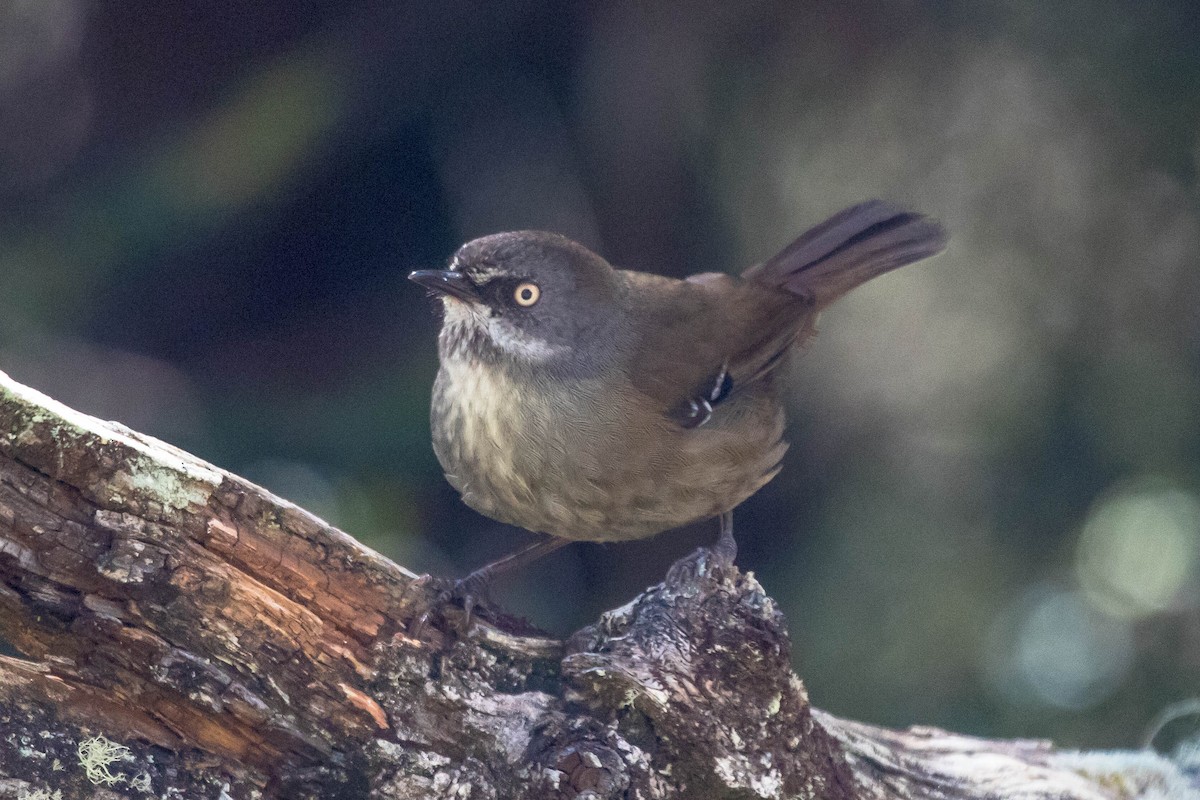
(241, 647)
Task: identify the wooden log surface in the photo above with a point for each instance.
(239, 646)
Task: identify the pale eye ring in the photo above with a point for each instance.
(527, 294)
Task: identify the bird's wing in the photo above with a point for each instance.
(711, 336)
(708, 338)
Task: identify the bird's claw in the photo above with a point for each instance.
(449, 592)
(722, 556)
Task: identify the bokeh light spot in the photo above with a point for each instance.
(1138, 548)
(1053, 648)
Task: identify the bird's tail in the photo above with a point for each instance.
(849, 249)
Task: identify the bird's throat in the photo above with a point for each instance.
(471, 333)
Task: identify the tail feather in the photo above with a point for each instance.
(848, 249)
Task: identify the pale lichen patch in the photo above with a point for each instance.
(1127, 775)
(156, 469)
(25, 793)
(739, 773)
(96, 754)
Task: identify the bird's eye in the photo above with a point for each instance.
(526, 294)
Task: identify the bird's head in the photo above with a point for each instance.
(529, 297)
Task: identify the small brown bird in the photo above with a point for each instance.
(587, 402)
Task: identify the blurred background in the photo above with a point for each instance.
(989, 519)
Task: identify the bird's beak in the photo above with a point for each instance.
(446, 281)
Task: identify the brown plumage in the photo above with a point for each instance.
(607, 404)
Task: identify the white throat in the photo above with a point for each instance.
(464, 322)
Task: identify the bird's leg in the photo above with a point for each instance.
(476, 584)
(480, 579)
(726, 547)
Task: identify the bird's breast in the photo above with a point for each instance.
(591, 459)
(506, 445)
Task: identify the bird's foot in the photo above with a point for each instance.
(473, 589)
(444, 594)
(716, 559)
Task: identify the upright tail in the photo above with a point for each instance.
(849, 249)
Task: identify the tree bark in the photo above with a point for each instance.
(231, 644)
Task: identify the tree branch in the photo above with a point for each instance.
(237, 644)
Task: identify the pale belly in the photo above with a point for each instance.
(570, 462)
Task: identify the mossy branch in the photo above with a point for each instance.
(239, 646)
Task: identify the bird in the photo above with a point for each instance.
(589, 403)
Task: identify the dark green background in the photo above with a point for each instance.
(988, 519)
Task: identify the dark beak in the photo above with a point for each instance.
(446, 281)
